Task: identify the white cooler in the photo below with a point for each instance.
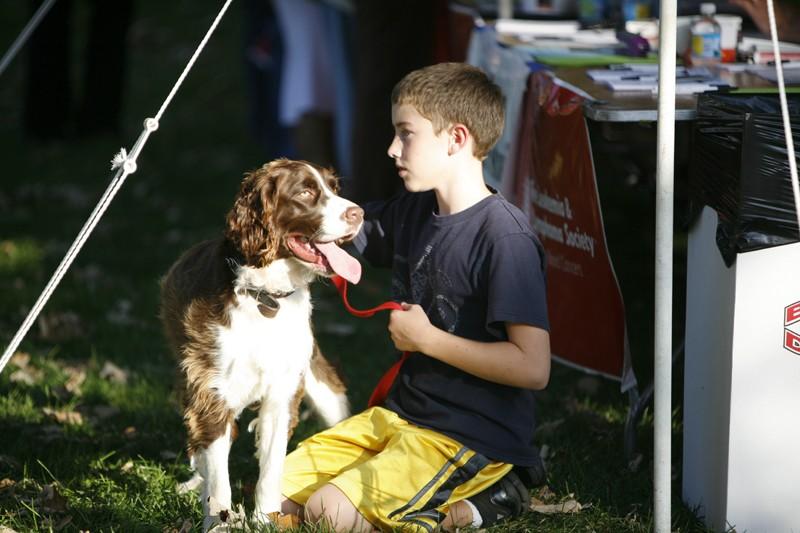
(741, 404)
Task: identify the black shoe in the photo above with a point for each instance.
(507, 498)
(532, 476)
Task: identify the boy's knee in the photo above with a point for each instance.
(331, 506)
(290, 507)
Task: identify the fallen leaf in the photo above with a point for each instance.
(51, 501)
(127, 467)
(76, 378)
(129, 432)
(20, 359)
(113, 373)
(7, 486)
(567, 506)
(5, 529)
(63, 417)
(28, 376)
(25, 373)
(186, 527)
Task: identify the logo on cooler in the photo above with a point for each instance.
(791, 335)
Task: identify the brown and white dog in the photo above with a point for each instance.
(237, 313)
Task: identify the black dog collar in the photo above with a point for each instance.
(268, 303)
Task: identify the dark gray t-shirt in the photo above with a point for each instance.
(471, 272)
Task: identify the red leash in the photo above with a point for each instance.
(385, 383)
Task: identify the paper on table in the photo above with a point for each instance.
(537, 27)
(791, 72)
(693, 87)
(688, 80)
(690, 86)
(616, 73)
(644, 84)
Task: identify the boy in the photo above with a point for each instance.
(470, 274)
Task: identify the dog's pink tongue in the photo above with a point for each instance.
(341, 262)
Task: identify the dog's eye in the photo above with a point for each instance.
(305, 194)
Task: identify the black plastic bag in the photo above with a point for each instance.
(739, 167)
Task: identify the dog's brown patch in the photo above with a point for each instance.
(325, 372)
(189, 325)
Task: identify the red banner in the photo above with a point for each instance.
(555, 184)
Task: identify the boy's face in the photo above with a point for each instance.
(420, 155)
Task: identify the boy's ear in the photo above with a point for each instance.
(459, 136)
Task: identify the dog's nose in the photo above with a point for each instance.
(354, 215)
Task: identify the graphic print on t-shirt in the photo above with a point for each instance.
(429, 287)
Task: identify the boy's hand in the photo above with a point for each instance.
(409, 328)
(521, 361)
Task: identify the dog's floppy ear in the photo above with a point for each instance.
(248, 220)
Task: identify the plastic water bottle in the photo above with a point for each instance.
(706, 37)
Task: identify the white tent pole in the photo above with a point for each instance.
(665, 170)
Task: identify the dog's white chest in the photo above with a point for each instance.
(262, 357)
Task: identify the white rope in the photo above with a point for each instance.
(787, 127)
(23, 36)
(125, 164)
(192, 60)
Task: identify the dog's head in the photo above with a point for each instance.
(291, 209)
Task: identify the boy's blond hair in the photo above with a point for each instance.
(456, 93)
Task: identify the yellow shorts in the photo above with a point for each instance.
(398, 475)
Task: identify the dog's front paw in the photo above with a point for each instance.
(221, 519)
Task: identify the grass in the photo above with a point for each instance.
(90, 436)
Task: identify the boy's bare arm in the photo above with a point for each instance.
(523, 361)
